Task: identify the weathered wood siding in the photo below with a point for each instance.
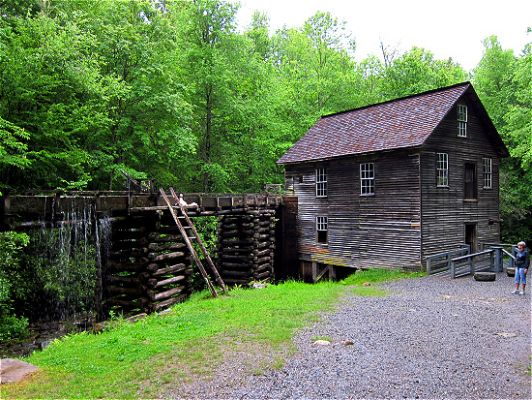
(379, 230)
(445, 212)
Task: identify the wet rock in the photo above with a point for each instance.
(45, 343)
(506, 334)
(258, 285)
(138, 317)
(12, 371)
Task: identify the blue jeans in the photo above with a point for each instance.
(520, 275)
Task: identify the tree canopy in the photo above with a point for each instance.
(172, 90)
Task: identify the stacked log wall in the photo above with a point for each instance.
(148, 267)
(246, 247)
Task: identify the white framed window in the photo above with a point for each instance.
(367, 179)
(487, 173)
(442, 169)
(462, 120)
(321, 182)
(322, 228)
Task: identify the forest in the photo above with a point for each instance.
(173, 90)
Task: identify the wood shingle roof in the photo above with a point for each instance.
(401, 123)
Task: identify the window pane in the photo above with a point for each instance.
(321, 182)
(367, 179)
(462, 120)
(321, 229)
(487, 173)
(442, 169)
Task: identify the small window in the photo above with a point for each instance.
(321, 229)
(442, 169)
(487, 174)
(462, 120)
(367, 179)
(321, 182)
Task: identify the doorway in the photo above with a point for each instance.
(471, 236)
(470, 181)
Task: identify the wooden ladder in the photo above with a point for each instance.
(189, 233)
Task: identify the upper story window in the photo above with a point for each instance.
(442, 169)
(367, 179)
(321, 182)
(462, 120)
(487, 173)
(322, 227)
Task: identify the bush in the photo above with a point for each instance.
(12, 327)
(11, 246)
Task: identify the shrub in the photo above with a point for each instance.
(11, 246)
(12, 327)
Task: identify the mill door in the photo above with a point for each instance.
(471, 236)
(470, 181)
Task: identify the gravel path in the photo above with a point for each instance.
(430, 338)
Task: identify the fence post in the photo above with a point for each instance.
(498, 258)
(428, 266)
(452, 268)
(471, 266)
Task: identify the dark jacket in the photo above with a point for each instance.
(522, 258)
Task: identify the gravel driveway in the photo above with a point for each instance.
(430, 338)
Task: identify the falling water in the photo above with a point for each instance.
(61, 274)
(66, 260)
(102, 235)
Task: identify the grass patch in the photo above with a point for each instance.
(160, 352)
(116, 362)
(378, 275)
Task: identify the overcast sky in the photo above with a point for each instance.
(448, 28)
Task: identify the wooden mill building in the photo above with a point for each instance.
(391, 183)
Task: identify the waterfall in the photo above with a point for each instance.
(102, 235)
(64, 262)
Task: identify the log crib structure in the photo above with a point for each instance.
(145, 261)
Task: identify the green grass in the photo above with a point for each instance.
(160, 352)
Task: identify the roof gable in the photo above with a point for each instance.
(400, 123)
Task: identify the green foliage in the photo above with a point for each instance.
(11, 247)
(12, 327)
(12, 145)
(190, 340)
(503, 83)
(171, 90)
(377, 275)
(417, 71)
(207, 228)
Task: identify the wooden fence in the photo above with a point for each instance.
(471, 263)
(440, 263)
(459, 262)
